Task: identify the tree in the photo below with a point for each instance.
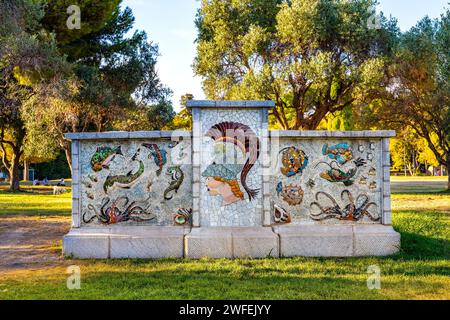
(115, 78)
(419, 93)
(312, 57)
(27, 56)
(183, 119)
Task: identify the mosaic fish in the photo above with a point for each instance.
(294, 161)
(177, 180)
(335, 174)
(340, 152)
(103, 156)
(126, 179)
(159, 155)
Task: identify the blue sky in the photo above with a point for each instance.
(170, 24)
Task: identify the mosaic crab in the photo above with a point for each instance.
(355, 210)
(113, 215)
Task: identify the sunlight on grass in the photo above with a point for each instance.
(23, 203)
(420, 271)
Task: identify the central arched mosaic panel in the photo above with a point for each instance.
(231, 181)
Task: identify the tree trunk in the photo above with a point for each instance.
(26, 170)
(68, 157)
(14, 173)
(448, 172)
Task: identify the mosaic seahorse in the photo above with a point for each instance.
(126, 179)
(159, 155)
(177, 180)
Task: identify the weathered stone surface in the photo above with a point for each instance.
(141, 177)
(315, 240)
(125, 242)
(208, 242)
(231, 242)
(229, 104)
(87, 244)
(375, 240)
(337, 134)
(255, 242)
(147, 242)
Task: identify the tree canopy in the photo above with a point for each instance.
(312, 57)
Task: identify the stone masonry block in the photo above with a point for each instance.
(376, 240)
(315, 240)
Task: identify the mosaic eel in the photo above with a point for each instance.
(177, 180)
(159, 155)
(126, 179)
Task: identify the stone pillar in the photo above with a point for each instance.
(76, 211)
(229, 211)
(386, 162)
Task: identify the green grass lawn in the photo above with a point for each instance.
(35, 203)
(420, 271)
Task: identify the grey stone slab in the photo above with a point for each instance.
(229, 104)
(147, 242)
(200, 103)
(387, 188)
(386, 203)
(386, 174)
(332, 134)
(386, 220)
(144, 134)
(256, 242)
(315, 240)
(75, 148)
(85, 245)
(208, 242)
(175, 135)
(376, 240)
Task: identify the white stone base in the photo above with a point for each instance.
(231, 242)
(337, 240)
(125, 242)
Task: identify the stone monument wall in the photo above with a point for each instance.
(230, 188)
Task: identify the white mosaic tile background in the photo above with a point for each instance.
(313, 148)
(148, 189)
(242, 213)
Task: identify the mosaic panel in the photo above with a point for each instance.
(231, 182)
(135, 182)
(326, 181)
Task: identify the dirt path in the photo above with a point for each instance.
(28, 242)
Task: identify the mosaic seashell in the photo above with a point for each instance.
(372, 172)
(280, 215)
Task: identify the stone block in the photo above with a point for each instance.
(145, 134)
(376, 240)
(147, 242)
(87, 243)
(255, 242)
(315, 240)
(386, 160)
(386, 203)
(386, 219)
(75, 148)
(387, 188)
(208, 242)
(386, 174)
